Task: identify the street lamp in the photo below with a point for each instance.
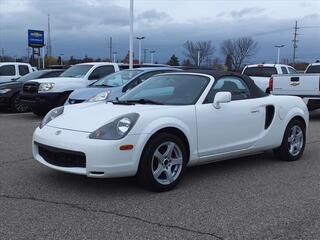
(61, 61)
(114, 56)
(279, 47)
(131, 36)
(198, 58)
(140, 38)
(152, 53)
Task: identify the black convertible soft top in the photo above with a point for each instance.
(255, 91)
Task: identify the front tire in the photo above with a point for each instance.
(16, 105)
(294, 141)
(163, 162)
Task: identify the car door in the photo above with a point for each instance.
(235, 126)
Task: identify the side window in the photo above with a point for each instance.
(238, 88)
(284, 70)
(291, 70)
(7, 70)
(23, 70)
(139, 80)
(100, 72)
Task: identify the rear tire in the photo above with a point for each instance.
(163, 162)
(293, 143)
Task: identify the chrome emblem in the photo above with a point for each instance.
(58, 132)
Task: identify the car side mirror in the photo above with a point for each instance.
(221, 97)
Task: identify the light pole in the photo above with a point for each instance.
(131, 36)
(114, 56)
(279, 47)
(61, 61)
(140, 38)
(152, 53)
(198, 58)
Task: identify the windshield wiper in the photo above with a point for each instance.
(139, 101)
(101, 85)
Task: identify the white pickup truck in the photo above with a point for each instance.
(261, 73)
(12, 70)
(306, 86)
(42, 95)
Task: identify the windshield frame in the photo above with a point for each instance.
(198, 99)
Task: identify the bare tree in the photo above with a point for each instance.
(239, 50)
(201, 49)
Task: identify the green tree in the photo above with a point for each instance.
(173, 61)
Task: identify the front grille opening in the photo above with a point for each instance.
(31, 87)
(61, 157)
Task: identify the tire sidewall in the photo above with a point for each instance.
(284, 147)
(145, 169)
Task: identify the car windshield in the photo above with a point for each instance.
(313, 69)
(117, 79)
(171, 89)
(260, 71)
(77, 71)
(30, 76)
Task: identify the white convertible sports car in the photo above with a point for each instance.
(171, 121)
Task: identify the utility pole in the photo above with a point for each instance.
(140, 38)
(295, 41)
(152, 54)
(131, 36)
(49, 48)
(279, 47)
(110, 49)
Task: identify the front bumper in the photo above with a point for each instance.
(4, 101)
(103, 158)
(40, 100)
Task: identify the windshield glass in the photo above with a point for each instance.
(77, 71)
(313, 69)
(260, 71)
(172, 89)
(117, 79)
(32, 75)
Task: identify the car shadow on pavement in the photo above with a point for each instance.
(130, 185)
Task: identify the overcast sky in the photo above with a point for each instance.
(82, 27)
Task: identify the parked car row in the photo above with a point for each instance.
(152, 122)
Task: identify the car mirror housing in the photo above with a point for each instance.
(221, 97)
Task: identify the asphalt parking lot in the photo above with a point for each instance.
(255, 197)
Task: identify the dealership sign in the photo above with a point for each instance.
(35, 38)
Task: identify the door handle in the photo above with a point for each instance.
(255, 111)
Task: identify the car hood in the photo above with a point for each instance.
(88, 117)
(56, 79)
(11, 84)
(86, 93)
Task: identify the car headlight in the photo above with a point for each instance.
(100, 97)
(117, 129)
(51, 115)
(45, 87)
(3, 91)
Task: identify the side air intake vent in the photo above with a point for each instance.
(269, 116)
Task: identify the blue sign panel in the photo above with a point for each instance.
(35, 38)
